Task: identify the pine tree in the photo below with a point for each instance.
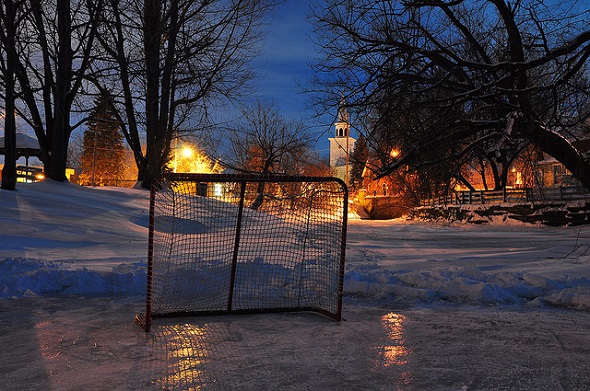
(103, 154)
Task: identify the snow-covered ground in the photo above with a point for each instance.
(428, 306)
(62, 239)
(487, 264)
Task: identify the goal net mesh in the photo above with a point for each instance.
(238, 243)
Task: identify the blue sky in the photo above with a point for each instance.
(284, 66)
(286, 52)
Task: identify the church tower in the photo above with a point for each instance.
(341, 145)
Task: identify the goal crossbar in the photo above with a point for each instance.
(230, 243)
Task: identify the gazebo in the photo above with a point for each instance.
(26, 146)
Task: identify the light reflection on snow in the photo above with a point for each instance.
(395, 352)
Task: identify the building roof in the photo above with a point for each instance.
(25, 146)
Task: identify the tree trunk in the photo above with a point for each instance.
(55, 168)
(61, 121)
(9, 170)
(482, 173)
(152, 37)
(257, 203)
(558, 147)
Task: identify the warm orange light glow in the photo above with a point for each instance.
(186, 352)
(394, 153)
(396, 352)
(189, 158)
(187, 152)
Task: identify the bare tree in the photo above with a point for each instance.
(263, 142)
(456, 79)
(54, 45)
(171, 60)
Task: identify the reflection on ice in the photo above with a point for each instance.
(395, 352)
(184, 349)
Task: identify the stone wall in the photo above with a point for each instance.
(549, 213)
(383, 208)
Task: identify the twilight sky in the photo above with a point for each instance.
(284, 58)
(284, 66)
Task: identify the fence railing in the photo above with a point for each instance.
(561, 193)
(113, 182)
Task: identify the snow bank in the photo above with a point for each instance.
(468, 285)
(30, 277)
(20, 277)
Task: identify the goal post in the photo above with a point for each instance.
(225, 243)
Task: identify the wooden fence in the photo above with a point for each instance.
(562, 193)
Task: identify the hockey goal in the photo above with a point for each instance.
(222, 243)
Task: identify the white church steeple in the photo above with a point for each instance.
(341, 145)
(342, 125)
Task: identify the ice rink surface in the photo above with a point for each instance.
(78, 343)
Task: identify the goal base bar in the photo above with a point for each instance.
(140, 319)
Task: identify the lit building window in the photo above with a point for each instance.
(218, 190)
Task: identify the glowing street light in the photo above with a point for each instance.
(188, 157)
(187, 152)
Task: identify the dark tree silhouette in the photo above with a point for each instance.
(171, 60)
(10, 15)
(453, 80)
(54, 45)
(359, 160)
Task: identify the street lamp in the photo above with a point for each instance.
(187, 152)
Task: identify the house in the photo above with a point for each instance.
(551, 173)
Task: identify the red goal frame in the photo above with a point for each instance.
(305, 218)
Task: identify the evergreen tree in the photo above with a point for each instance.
(359, 159)
(103, 154)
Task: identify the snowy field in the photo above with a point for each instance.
(427, 307)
